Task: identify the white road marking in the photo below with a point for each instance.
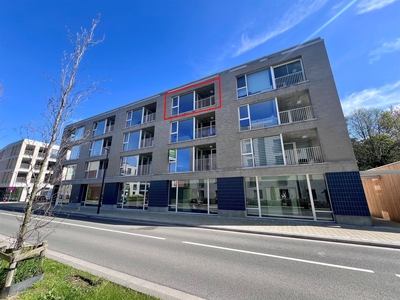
(111, 230)
(280, 257)
(97, 228)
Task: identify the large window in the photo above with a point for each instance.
(182, 131)
(183, 103)
(289, 196)
(77, 134)
(180, 160)
(92, 169)
(254, 83)
(260, 152)
(258, 115)
(75, 152)
(129, 165)
(96, 148)
(131, 140)
(134, 117)
(288, 74)
(103, 126)
(70, 172)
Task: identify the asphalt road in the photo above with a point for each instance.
(216, 264)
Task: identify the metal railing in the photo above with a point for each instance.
(289, 79)
(149, 118)
(41, 154)
(310, 155)
(205, 131)
(296, 115)
(149, 142)
(205, 102)
(144, 169)
(205, 164)
(21, 179)
(24, 166)
(28, 152)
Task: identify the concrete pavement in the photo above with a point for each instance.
(383, 233)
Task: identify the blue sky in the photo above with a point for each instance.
(155, 45)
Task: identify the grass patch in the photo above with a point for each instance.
(62, 282)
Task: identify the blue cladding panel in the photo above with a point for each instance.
(347, 194)
(111, 191)
(158, 193)
(231, 193)
(76, 192)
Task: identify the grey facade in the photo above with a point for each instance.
(267, 138)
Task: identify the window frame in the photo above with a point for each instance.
(126, 142)
(91, 148)
(271, 73)
(178, 103)
(249, 114)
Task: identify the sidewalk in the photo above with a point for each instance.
(384, 233)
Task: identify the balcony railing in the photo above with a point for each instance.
(149, 118)
(205, 102)
(109, 128)
(24, 166)
(205, 164)
(28, 152)
(144, 169)
(289, 79)
(21, 179)
(296, 115)
(310, 155)
(41, 154)
(205, 131)
(149, 142)
(94, 174)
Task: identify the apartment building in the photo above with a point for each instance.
(264, 139)
(20, 163)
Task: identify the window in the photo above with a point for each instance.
(70, 172)
(75, 152)
(182, 131)
(288, 74)
(179, 160)
(259, 152)
(183, 103)
(77, 134)
(131, 141)
(254, 83)
(96, 148)
(103, 126)
(258, 115)
(91, 169)
(134, 117)
(129, 165)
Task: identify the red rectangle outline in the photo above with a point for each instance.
(196, 111)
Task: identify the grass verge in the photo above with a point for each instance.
(62, 282)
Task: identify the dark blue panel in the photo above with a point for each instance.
(111, 190)
(231, 195)
(158, 193)
(347, 194)
(76, 193)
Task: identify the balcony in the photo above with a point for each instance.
(296, 115)
(205, 164)
(93, 174)
(28, 152)
(144, 169)
(147, 118)
(289, 79)
(204, 102)
(310, 155)
(21, 179)
(25, 166)
(205, 131)
(149, 142)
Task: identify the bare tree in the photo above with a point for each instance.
(68, 94)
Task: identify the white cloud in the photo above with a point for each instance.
(297, 13)
(381, 97)
(385, 48)
(365, 6)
